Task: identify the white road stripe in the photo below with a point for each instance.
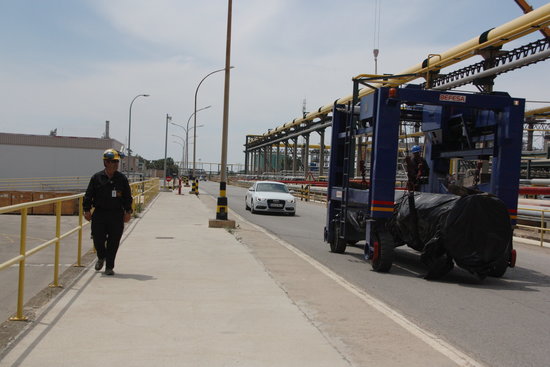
(429, 338)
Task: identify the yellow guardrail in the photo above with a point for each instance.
(142, 192)
(307, 193)
(44, 183)
(541, 228)
(69, 183)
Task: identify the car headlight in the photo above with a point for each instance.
(290, 201)
(258, 199)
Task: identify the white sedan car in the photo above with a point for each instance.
(270, 196)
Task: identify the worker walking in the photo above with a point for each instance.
(109, 193)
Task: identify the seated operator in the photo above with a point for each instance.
(417, 169)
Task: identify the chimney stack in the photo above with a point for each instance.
(106, 135)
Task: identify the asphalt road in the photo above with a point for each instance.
(39, 268)
(498, 321)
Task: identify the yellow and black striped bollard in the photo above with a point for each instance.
(221, 207)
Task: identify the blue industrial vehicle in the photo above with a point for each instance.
(456, 127)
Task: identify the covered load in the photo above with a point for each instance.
(473, 231)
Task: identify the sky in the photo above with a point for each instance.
(71, 65)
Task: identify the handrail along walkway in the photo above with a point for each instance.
(143, 193)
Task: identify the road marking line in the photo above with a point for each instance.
(429, 338)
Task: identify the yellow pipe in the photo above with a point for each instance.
(11, 261)
(507, 32)
(22, 249)
(40, 247)
(537, 111)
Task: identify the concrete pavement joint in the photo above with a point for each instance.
(429, 338)
(282, 288)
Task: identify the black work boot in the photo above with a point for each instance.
(99, 264)
(109, 271)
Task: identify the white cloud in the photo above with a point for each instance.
(283, 51)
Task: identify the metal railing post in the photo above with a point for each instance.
(542, 228)
(55, 283)
(22, 250)
(79, 249)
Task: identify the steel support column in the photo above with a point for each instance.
(270, 158)
(305, 157)
(246, 158)
(285, 161)
(321, 152)
(294, 155)
(277, 159)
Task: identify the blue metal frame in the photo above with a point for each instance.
(494, 121)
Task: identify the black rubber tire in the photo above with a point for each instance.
(498, 270)
(385, 257)
(337, 245)
(246, 207)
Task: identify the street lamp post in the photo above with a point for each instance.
(130, 129)
(195, 117)
(187, 130)
(168, 119)
(183, 145)
(221, 207)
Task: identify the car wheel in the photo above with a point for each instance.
(246, 207)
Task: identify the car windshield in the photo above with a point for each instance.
(271, 187)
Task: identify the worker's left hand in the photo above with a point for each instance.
(127, 217)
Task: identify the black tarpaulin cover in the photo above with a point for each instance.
(474, 231)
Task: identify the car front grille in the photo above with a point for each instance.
(276, 204)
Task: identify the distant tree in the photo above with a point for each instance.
(171, 167)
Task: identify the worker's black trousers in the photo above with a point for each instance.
(107, 228)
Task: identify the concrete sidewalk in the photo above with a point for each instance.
(188, 295)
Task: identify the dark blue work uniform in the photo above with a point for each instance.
(110, 197)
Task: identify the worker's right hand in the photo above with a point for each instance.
(88, 216)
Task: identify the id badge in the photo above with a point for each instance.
(113, 194)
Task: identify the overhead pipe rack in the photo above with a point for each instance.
(536, 20)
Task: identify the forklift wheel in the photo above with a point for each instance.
(498, 270)
(382, 258)
(337, 245)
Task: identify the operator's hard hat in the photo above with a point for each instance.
(111, 154)
(416, 149)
